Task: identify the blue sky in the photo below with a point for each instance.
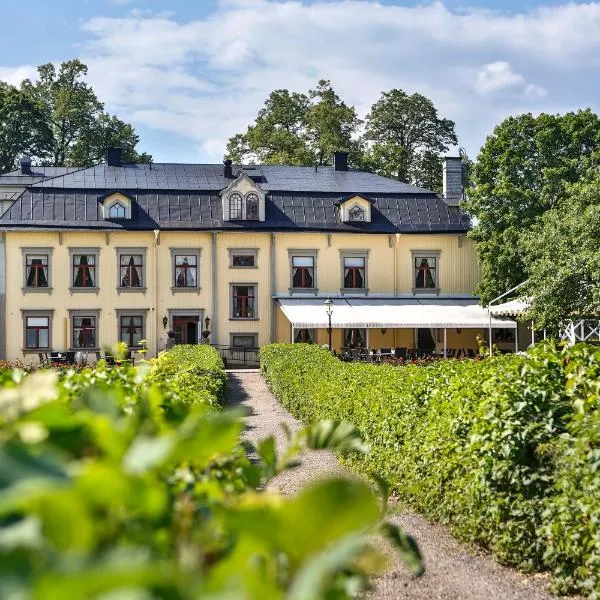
(189, 74)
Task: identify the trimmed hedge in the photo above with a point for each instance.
(505, 450)
(191, 373)
(114, 486)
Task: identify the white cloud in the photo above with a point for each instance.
(205, 79)
(14, 76)
(534, 92)
(497, 76)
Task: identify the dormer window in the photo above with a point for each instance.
(252, 207)
(235, 206)
(116, 211)
(355, 209)
(116, 205)
(243, 200)
(356, 213)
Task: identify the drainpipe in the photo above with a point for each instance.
(156, 311)
(273, 274)
(2, 296)
(213, 283)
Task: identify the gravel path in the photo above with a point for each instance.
(453, 571)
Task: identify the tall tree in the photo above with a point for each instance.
(564, 271)
(23, 129)
(58, 121)
(299, 129)
(406, 138)
(522, 171)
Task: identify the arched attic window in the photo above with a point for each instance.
(117, 211)
(252, 207)
(235, 206)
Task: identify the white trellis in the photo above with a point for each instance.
(583, 330)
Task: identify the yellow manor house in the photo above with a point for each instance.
(235, 256)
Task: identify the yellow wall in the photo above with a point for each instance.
(389, 273)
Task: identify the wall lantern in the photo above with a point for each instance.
(383, 331)
(165, 322)
(458, 330)
(206, 323)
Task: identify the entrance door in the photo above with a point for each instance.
(186, 329)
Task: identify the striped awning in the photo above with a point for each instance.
(399, 313)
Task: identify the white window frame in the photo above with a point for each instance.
(243, 252)
(40, 252)
(137, 250)
(420, 254)
(354, 254)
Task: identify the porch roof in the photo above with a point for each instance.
(401, 313)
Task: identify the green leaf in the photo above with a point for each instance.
(315, 577)
(406, 547)
(18, 463)
(147, 452)
(339, 436)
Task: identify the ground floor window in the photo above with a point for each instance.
(503, 335)
(355, 338)
(243, 302)
(304, 336)
(37, 332)
(244, 340)
(131, 329)
(84, 329)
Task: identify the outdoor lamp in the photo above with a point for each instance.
(329, 311)
(165, 322)
(206, 323)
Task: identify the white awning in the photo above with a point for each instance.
(400, 313)
(512, 308)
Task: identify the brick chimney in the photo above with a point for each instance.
(453, 180)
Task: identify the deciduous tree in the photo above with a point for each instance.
(524, 170)
(406, 138)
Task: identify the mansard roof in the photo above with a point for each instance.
(186, 197)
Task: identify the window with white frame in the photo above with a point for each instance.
(356, 213)
(185, 269)
(304, 336)
(355, 338)
(243, 301)
(244, 340)
(37, 330)
(37, 269)
(303, 271)
(243, 258)
(84, 269)
(354, 271)
(131, 269)
(235, 206)
(252, 207)
(117, 211)
(84, 330)
(131, 329)
(425, 268)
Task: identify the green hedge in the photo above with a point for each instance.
(129, 482)
(506, 450)
(192, 374)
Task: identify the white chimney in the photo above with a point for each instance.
(453, 180)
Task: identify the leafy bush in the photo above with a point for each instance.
(505, 450)
(103, 494)
(192, 374)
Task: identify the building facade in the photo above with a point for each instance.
(125, 252)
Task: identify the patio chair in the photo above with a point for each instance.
(58, 358)
(471, 352)
(43, 356)
(402, 353)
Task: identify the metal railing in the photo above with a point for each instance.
(239, 357)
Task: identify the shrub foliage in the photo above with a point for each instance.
(130, 483)
(505, 450)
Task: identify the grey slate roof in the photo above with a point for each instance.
(175, 176)
(186, 197)
(38, 174)
(391, 213)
